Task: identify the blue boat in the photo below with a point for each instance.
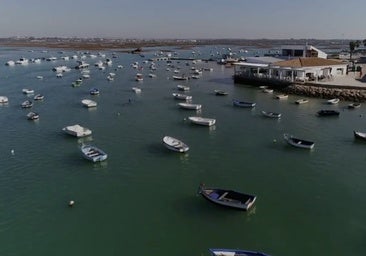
(243, 104)
(234, 252)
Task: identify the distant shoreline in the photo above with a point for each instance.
(97, 44)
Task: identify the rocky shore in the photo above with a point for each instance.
(346, 94)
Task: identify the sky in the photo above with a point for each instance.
(185, 19)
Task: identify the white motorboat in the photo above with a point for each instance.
(182, 87)
(359, 135)
(179, 96)
(301, 101)
(28, 91)
(88, 103)
(354, 105)
(281, 96)
(266, 90)
(333, 101)
(77, 130)
(4, 100)
(22, 61)
(33, 116)
(93, 153)
(27, 104)
(190, 106)
(183, 77)
(152, 75)
(39, 97)
(10, 63)
(136, 89)
(175, 144)
(202, 120)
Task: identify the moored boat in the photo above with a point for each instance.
(94, 91)
(359, 135)
(301, 101)
(39, 97)
(235, 252)
(243, 104)
(221, 93)
(89, 103)
(182, 87)
(326, 112)
(266, 90)
(228, 198)
(183, 77)
(4, 100)
(32, 116)
(136, 89)
(332, 101)
(77, 130)
(175, 144)
(28, 91)
(281, 96)
(296, 142)
(179, 96)
(271, 114)
(354, 105)
(202, 120)
(190, 106)
(27, 104)
(93, 153)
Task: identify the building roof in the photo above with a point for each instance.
(307, 62)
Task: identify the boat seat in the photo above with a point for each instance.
(94, 154)
(223, 195)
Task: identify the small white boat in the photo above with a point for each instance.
(39, 77)
(89, 103)
(354, 105)
(27, 104)
(281, 96)
(136, 89)
(10, 63)
(243, 104)
(271, 114)
(39, 97)
(190, 106)
(296, 142)
(359, 135)
(301, 101)
(94, 91)
(28, 91)
(266, 90)
(179, 96)
(182, 87)
(93, 153)
(202, 120)
(183, 77)
(77, 130)
(175, 144)
(139, 77)
(221, 93)
(332, 101)
(4, 100)
(152, 75)
(33, 116)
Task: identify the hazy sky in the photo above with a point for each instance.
(321, 19)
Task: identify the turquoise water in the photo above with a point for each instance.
(143, 199)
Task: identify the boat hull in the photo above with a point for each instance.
(235, 252)
(93, 153)
(175, 144)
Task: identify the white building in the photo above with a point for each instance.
(305, 51)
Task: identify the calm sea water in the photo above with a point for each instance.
(143, 199)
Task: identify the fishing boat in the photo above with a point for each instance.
(221, 93)
(182, 87)
(325, 112)
(190, 106)
(354, 105)
(359, 135)
(93, 153)
(175, 144)
(77, 130)
(32, 116)
(243, 104)
(271, 114)
(38, 97)
(179, 96)
(235, 252)
(301, 101)
(27, 104)
(296, 142)
(89, 103)
(228, 198)
(332, 101)
(202, 120)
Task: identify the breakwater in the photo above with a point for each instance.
(326, 92)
